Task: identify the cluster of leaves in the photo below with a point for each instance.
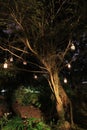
(26, 96)
(16, 123)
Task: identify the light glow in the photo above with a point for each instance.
(65, 80)
(69, 65)
(3, 91)
(24, 63)
(5, 65)
(35, 77)
(11, 59)
(73, 47)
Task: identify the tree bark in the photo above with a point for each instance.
(61, 97)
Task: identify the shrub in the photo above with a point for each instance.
(18, 123)
(26, 96)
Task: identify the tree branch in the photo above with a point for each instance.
(5, 49)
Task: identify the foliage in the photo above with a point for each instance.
(26, 96)
(3, 121)
(13, 124)
(37, 125)
(16, 123)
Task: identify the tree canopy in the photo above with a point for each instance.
(45, 27)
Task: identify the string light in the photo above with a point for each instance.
(65, 80)
(5, 65)
(3, 91)
(24, 62)
(73, 47)
(11, 59)
(69, 65)
(35, 77)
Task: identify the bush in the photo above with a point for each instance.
(26, 96)
(17, 123)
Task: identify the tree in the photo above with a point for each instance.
(44, 29)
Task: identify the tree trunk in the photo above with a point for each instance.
(61, 98)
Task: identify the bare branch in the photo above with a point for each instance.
(67, 49)
(32, 71)
(41, 67)
(25, 39)
(59, 9)
(5, 49)
(18, 49)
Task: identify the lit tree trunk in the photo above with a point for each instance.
(60, 95)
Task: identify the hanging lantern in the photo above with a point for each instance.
(24, 62)
(73, 47)
(5, 65)
(69, 65)
(11, 59)
(35, 77)
(65, 81)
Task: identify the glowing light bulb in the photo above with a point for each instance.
(65, 80)
(11, 59)
(5, 65)
(3, 91)
(69, 65)
(73, 47)
(24, 63)
(35, 77)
